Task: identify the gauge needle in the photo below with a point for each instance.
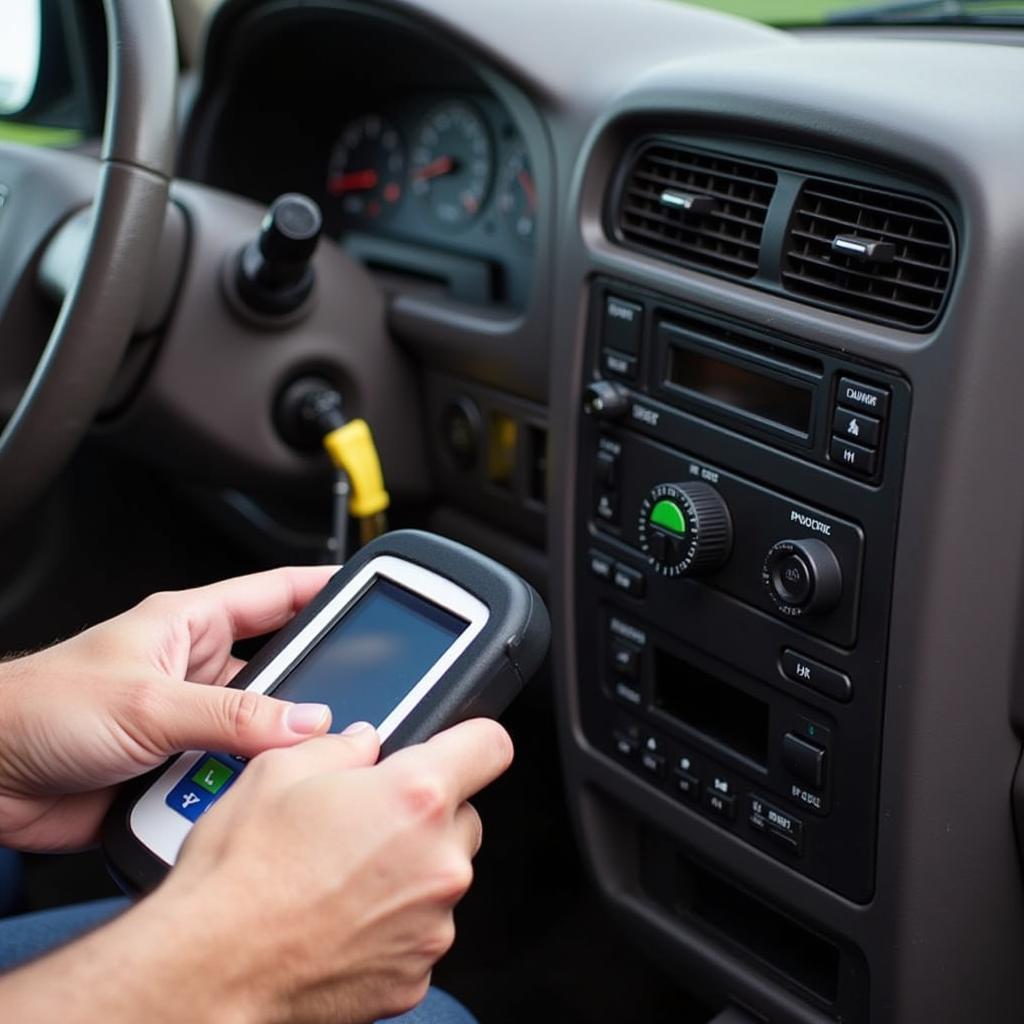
(526, 183)
(436, 168)
(353, 181)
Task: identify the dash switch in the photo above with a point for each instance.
(804, 760)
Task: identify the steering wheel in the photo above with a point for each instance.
(88, 340)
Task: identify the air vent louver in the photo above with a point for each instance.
(903, 271)
(696, 207)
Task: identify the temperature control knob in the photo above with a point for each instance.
(685, 529)
(802, 577)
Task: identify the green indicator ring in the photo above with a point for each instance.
(669, 516)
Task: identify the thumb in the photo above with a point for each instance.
(200, 717)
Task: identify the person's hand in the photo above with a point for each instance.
(78, 718)
(324, 884)
(319, 890)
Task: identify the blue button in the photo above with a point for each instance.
(189, 799)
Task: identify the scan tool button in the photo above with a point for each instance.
(213, 775)
(189, 799)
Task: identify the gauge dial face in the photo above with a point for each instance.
(452, 164)
(366, 168)
(517, 196)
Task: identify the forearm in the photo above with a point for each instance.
(156, 963)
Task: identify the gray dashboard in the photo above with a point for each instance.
(940, 934)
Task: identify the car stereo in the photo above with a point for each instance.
(736, 527)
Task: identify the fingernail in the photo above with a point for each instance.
(306, 719)
(356, 727)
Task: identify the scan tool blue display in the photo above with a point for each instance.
(373, 657)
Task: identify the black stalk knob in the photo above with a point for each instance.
(275, 273)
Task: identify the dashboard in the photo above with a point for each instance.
(422, 172)
(714, 335)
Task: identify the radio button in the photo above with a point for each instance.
(785, 829)
(687, 784)
(623, 324)
(628, 580)
(606, 466)
(626, 660)
(803, 760)
(720, 804)
(627, 694)
(619, 364)
(651, 757)
(828, 681)
(853, 456)
(856, 427)
(607, 506)
(625, 745)
(865, 397)
(601, 565)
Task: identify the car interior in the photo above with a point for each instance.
(704, 318)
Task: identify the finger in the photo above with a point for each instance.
(357, 747)
(257, 604)
(469, 829)
(192, 716)
(231, 669)
(465, 758)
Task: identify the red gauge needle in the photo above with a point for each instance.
(526, 183)
(436, 168)
(353, 181)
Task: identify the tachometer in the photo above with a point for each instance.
(517, 195)
(452, 163)
(366, 168)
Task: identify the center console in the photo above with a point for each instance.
(738, 502)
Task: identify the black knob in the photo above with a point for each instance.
(685, 529)
(290, 230)
(274, 272)
(604, 400)
(803, 577)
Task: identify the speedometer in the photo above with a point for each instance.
(366, 168)
(452, 163)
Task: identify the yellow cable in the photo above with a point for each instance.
(351, 449)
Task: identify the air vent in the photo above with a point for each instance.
(880, 255)
(696, 207)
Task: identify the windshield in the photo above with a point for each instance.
(817, 12)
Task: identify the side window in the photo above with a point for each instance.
(52, 72)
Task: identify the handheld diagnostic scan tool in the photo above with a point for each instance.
(414, 634)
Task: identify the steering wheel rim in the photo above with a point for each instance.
(98, 314)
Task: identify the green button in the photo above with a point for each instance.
(669, 516)
(212, 775)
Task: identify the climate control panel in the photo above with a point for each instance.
(785, 557)
(733, 584)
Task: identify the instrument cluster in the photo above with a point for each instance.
(444, 169)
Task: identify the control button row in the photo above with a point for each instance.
(621, 576)
(857, 426)
(621, 335)
(719, 798)
(196, 792)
